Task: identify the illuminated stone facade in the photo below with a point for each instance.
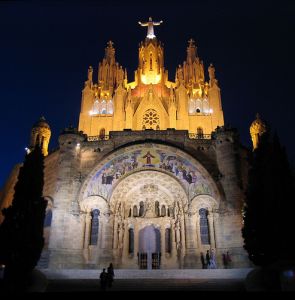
(151, 178)
(113, 104)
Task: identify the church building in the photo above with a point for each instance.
(151, 178)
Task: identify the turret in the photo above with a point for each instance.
(119, 113)
(40, 135)
(214, 98)
(257, 128)
(227, 157)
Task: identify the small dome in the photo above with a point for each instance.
(41, 123)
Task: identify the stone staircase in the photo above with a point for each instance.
(150, 274)
(44, 260)
(149, 280)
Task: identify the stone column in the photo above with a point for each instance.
(173, 244)
(87, 230)
(216, 231)
(211, 229)
(125, 243)
(107, 234)
(115, 231)
(163, 246)
(190, 232)
(136, 238)
(198, 230)
(183, 243)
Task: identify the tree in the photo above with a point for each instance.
(21, 233)
(269, 207)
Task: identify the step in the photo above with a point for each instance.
(146, 274)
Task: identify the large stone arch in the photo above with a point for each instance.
(194, 178)
(143, 184)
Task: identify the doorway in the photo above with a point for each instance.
(149, 256)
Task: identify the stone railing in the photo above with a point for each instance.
(98, 138)
(193, 136)
(196, 136)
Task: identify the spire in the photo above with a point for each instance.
(191, 51)
(150, 25)
(211, 70)
(110, 52)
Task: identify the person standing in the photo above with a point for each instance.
(103, 279)
(208, 259)
(228, 259)
(203, 261)
(212, 260)
(224, 260)
(110, 275)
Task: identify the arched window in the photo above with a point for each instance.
(103, 107)
(96, 109)
(168, 240)
(102, 133)
(199, 106)
(170, 212)
(163, 211)
(135, 211)
(110, 108)
(192, 106)
(200, 133)
(131, 240)
(48, 218)
(94, 226)
(157, 209)
(151, 61)
(206, 107)
(204, 227)
(141, 208)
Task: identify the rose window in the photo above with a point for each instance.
(151, 120)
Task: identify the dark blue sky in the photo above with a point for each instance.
(46, 48)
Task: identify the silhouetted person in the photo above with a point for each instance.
(212, 260)
(203, 261)
(111, 275)
(208, 259)
(103, 279)
(228, 259)
(224, 260)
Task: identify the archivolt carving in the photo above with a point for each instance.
(202, 201)
(194, 179)
(151, 185)
(94, 202)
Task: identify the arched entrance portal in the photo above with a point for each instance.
(149, 227)
(149, 255)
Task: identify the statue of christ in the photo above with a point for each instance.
(150, 24)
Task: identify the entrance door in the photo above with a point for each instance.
(149, 248)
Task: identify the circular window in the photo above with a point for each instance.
(151, 120)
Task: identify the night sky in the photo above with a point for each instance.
(46, 48)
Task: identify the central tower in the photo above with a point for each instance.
(151, 58)
(151, 101)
